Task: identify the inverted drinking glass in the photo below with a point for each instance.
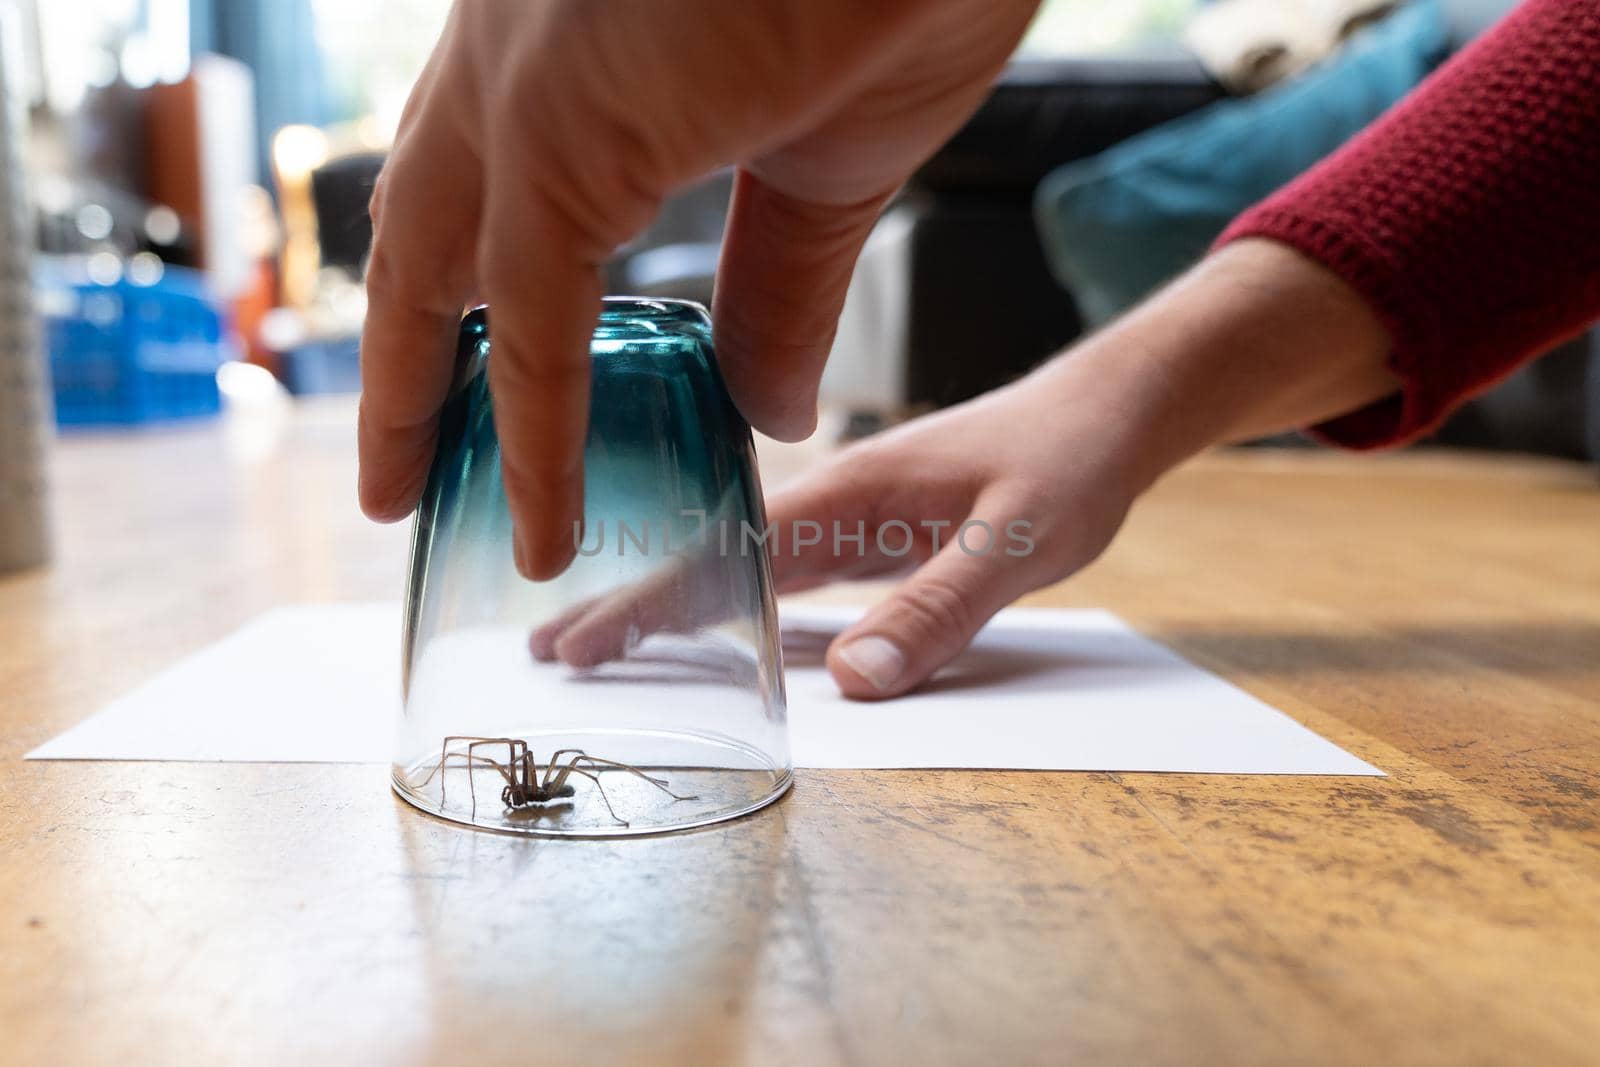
(641, 691)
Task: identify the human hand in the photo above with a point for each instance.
(979, 505)
(1254, 340)
(541, 136)
(973, 507)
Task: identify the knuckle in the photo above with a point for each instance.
(769, 331)
(598, 169)
(375, 202)
(385, 282)
(938, 610)
(392, 280)
(597, 208)
(538, 482)
(538, 377)
(520, 483)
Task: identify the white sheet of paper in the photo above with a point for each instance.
(1039, 689)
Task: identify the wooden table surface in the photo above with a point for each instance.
(1436, 615)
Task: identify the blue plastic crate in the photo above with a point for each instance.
(126, 353)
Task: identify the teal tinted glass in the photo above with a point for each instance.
(640, 690)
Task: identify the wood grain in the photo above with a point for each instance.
(1438, 615)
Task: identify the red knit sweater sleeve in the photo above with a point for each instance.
(1468, 217)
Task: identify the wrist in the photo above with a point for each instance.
(1254, 340)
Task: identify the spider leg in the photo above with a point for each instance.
(467, 761)
(579, 755)
(444, 751)
(444, 758)
(550, 779)
(472, 759)
(554, 779)
(531, 773)
(659, 783)
(570, 769)
(504, 770)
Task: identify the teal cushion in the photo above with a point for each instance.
(1118, 224)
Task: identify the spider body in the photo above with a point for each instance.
(513, 796)
(526, 785)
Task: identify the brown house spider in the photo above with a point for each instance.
(525, 786)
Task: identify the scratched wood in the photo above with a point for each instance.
(1437, 615)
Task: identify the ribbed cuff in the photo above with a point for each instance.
(1406, 314)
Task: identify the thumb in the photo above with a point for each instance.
(931, 617)
(786, 264)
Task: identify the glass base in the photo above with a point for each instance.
(592, 783)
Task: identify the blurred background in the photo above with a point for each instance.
(198, 172)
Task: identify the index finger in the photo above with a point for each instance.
(418, 276)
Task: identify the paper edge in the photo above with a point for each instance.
(1031, 617)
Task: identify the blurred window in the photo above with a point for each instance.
(1076, 27)
(370, 73)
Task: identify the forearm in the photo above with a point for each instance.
(1468, 218)
(1255, 339)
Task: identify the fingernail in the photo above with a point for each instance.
(876, 659)
(519, 554)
